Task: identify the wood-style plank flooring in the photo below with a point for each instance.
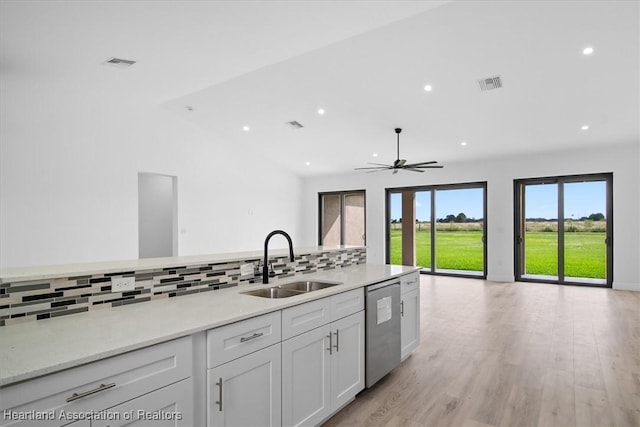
(512, 354)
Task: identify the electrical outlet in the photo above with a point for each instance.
(246, 269)
(123, 284)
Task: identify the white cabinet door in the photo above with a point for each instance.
(171, 406)
(347, 360)
(98, 385)
(305, 378)
(246, 391)
(410, 322)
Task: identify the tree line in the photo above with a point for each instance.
(461, 217)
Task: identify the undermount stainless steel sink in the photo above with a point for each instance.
(307, 286)
(287, 290)
(272, 293)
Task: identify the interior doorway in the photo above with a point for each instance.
(157, 215)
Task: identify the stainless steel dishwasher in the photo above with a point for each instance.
(382, 330)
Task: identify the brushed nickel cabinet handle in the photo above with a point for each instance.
(402, 308)
(337, 346)
(252, 337)
(219, 402)
(330, 336)
(102, 387)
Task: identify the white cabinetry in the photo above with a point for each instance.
(410, 314)
(167, 407)
(94, 388)
(244, 375)
(323, 365)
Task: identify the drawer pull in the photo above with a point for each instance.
(252, 337)
(103, 387)
(402, 308)
(337, 346)
(330, 336)
(219, 402)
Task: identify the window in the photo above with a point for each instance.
(439, 228)
(342, 218)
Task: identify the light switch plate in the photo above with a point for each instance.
(123, 284)
(246, 269)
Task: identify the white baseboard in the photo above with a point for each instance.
(626, 286)
(501, 278)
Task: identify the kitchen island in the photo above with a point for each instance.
(49, 349)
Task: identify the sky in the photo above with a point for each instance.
(448, 202)
(581, 200)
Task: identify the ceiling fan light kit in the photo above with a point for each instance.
(399, 163)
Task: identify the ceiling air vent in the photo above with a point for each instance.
(294, 124)
(490, 83)
(118, 62)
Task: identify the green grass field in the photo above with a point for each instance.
(462, 250)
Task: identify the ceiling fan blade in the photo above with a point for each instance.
(414, 170)
(420, 164)
(429, 167)
(379, 164)
(377, 170)
(395, 171)
(375, 167)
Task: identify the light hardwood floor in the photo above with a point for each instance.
(512, 354)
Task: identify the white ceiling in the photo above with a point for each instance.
(263, 63)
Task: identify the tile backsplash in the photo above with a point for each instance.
(44, 299)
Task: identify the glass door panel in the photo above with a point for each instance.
(459, 231)
(395, 228)
(331, 219)
(541, 230)
(585, 229)
(423, 229)
(354, 222)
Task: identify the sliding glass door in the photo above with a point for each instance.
(341, 218)
(563, 230)
(439, 228)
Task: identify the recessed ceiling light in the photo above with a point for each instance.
(463, 143)
(585, 127)
(587, 50)
(246, 128)
(307, 163)
(321, 111)
(375, 154)
(428, 88)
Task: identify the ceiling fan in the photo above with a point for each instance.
(402, 163)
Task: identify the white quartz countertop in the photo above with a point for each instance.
(21, 274)
(32, 349)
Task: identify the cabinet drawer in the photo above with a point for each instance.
(98, 385)
(238, 339)
(304, 317)
(410, 282)
(346, 303)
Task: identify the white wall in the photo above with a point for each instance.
(622, 160)
(70, 157)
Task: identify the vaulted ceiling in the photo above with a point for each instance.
(229, 65)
